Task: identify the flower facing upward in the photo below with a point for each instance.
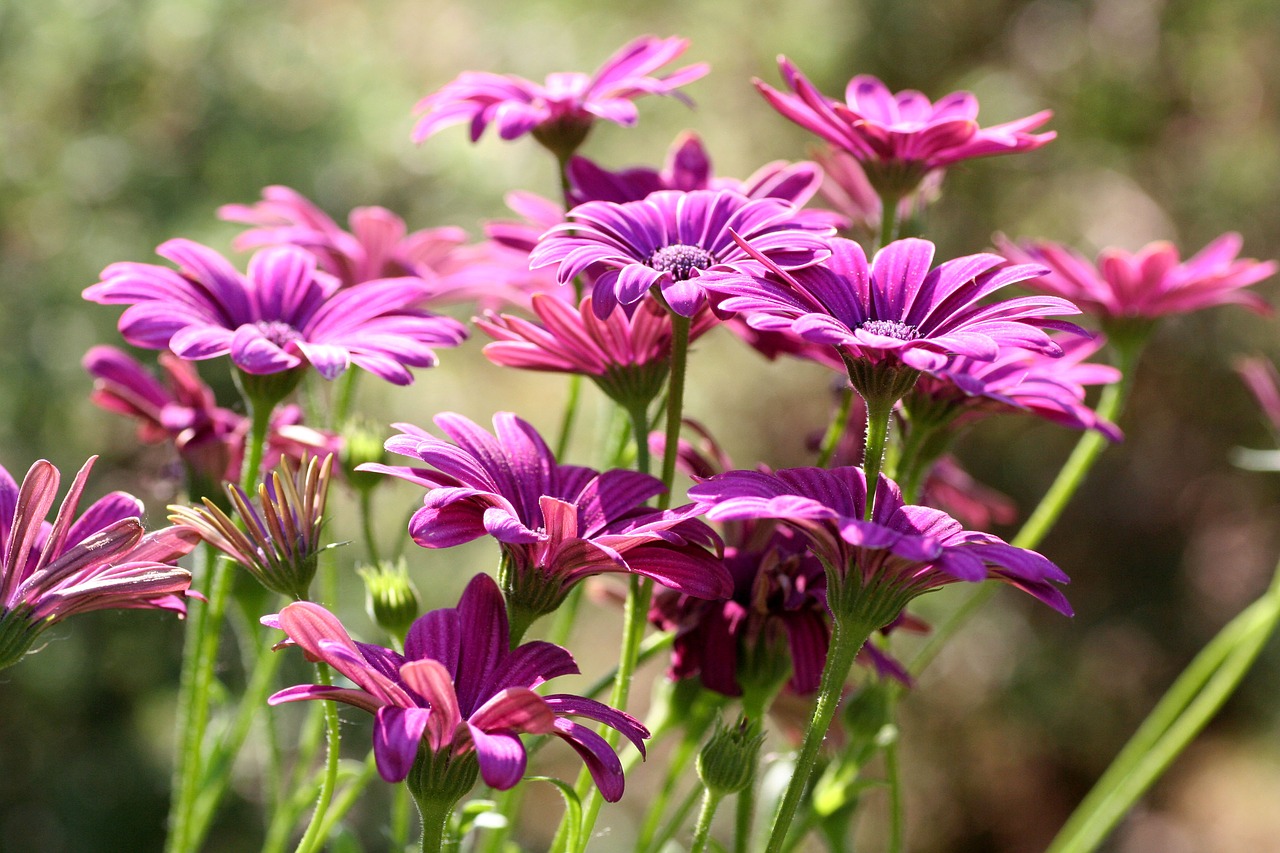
(557, 524)
(560, 112)
(1021, 381)
(282, 315)
(1150, 283)
(99, 561)
(459, 690)
(875, 566)
(377, 246)
(897, 309)
(627, 353)
(900, 137)
(672, 238)
(280, 546)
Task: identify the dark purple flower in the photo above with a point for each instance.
(670, 239)
(377, 246)
(561, 111)
(458, 690)
(557, 524)
(1150, 283)
(884, 562)
(627, 354)
(900, 137)
(282, 315)
(102, 560)
(896, 308)
(1018, 380)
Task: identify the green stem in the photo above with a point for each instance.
(399, 818)
(677, 821)
(346, 393)
(571, 406)
(675, 403)
(702, 830)
(312, 838)
(1197, 694)
(639, 416)
(888, 218)
(835, 430)
(366, 526)
(744, 817)
(847, 637)
(897, 815)
(435, 825)
(680, 759)
(879, 412)
(351, 794)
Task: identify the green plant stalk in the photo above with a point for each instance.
(346, 393)
(702, 829)
(888, 218)
(677, 820)
(847, 637)
(835, 430)
(897, 814)
(1197, 694)
(744, 816)
(571, 406)
(366, 526)
(312, 839)
(435, 826)
(351, 793)
(680, 759)
(1037, 526)
(879, 413)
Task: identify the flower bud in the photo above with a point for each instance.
(361, 443)
(727, 762)
(391, 598)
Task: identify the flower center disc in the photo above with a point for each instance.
(891, 329)
(278, 332)
(680, 260)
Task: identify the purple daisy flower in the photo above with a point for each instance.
(560, 112)
(881, 563)
(896, 309)
(670, 239)
(1148, 284)
(377, 246)
(1017, 380)
(103, 560)
(900, 137)
(284, 314)
(557, 524)
(458, 691)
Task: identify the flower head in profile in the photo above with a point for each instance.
(875, 566)
(377, 246)
(670, 239)
(897, 309)
(627, 354)
(1150, 283)
(278, 541)
(557, 524)
(560, 112)
(102, 560)
(1019, 380)
(282, 315)
(900, 137)
(458, 697)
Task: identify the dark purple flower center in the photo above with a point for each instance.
(680, 260)
(278, 332)
(891, 329)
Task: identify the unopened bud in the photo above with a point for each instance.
(391, 598)
(727, 762)
(361, 442)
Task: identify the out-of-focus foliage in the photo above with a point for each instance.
(125, 123)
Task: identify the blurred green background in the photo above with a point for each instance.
(123, 124)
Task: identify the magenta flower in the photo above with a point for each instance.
(1149, 284)
(284, 314)
(459, 690)
(557, 524)
(1018, 380)
(882, 563)
(670, 239)
(103, 560)
(847, 189)
(627, 354)
(560, 112)
(896, 309)
(377, 246)
(900, 137)
(182, 410)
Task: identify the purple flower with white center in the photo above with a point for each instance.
(103, 560)
(283, 315)
(557, 524)
(377, 246)
(1020, 381)
(875, 566)
(671, 239)
(900, 137)
(1150, 283)
(560, 112)
(897, 309)
(458, 695)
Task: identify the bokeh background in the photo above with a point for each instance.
(126, 122)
